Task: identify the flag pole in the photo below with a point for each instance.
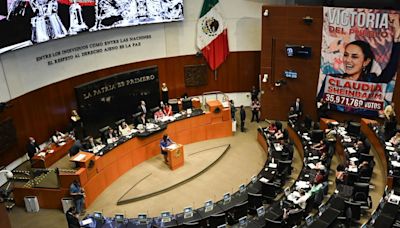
(215, 74)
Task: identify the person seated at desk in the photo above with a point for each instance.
(159, 115)
(321, 147)
(364, 169)
(90, 143)
(292, 116)
(72, 218)
(340, 174)
(320, 177)
(164, 143)
(272, 129)
(110, 136)
(359, 146)
(124, 129)
(167, 109)
(32, 148)
(58, 137)
(395, 140)
(302, 198)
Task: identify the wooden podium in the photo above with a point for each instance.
(176, 157)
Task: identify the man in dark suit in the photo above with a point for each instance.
(142, 107)
(90, 143)
(110, 135)
(298, 107)
(72, 218)
(242, 118)
(32, 148)
(142, 119)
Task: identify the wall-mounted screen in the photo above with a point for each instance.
(25, 22)
(290, 74)
(298, 51)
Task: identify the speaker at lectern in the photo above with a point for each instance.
(176, 157)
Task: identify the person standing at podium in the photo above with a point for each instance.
(164, 143)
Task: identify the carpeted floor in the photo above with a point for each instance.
(244, 159)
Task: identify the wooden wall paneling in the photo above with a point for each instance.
(4, 219)
(40, 112)
(285, 24)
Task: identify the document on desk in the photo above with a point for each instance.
(391, 148)
(80, 157)
(42, 154)
(388, 144)
(86, 222)
(172, 146)
(353, 169)
(351, 150)
(264, 180)
(395, 163)
(311, 165)
(354, 159)
(347, 139)
(278, 146)
(273, 165)
(302, 185)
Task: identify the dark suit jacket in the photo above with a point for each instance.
(242, 114)
(31, 148)
(140, 109)
(298, 108)
(140, 121)
(73, 222)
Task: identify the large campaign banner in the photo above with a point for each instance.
(359, 57)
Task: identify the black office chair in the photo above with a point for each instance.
(269, 191)
(353, 128)
(309, 205)
(119, 122)
(295, 218)
(102, 132)
(337, 203)
(351, 178)
(154, 110)
(190, 224)
(217, 220)
(135, 117)
(186, 103)
(317, 135)
(284, 168)
(238, 212)
(174, 105)
(255, 201)
(273, 224)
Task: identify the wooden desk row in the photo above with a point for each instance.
(50, 158)
(109, 167)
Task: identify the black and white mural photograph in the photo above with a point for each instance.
(26, 22)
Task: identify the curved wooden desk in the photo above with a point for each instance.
(111, 166)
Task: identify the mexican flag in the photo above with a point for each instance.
(212, 35)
